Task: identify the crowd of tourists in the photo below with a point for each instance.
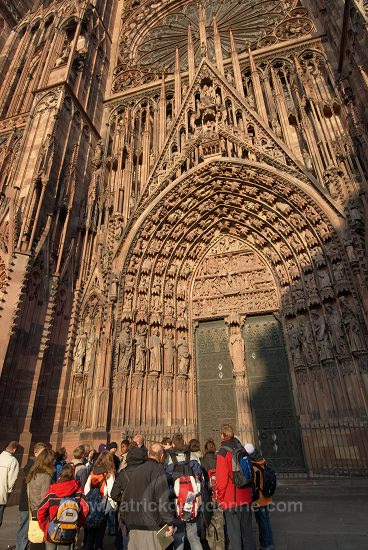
(170, 495)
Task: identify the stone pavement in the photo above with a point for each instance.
(305, 518)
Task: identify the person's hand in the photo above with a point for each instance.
(170, 531)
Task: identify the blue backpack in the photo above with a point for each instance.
(242, 466)
(97, 507)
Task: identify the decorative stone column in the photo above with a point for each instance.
(152, 402)
(167, 400)
(135, 411)
(76, 406)
(244, 413)
(181, 399)
(120, 398)
(240, 373)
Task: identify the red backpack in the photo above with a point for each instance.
(212, 484)
(187, 489)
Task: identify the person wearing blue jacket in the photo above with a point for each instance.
(180, 455)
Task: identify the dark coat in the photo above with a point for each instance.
(23, 498)
(146, 504)
(136, 457)
(208, 462)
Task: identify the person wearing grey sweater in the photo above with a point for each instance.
(38, 482)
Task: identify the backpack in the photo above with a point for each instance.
(269, 481)
(75, 466)
(187, 489)
(241, 465)
(63, 528)
(256, 485)
(97, 506)
(212, 484)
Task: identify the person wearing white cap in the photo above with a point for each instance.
(260, 505)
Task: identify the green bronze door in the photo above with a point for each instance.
(274, 418)
(215, 388)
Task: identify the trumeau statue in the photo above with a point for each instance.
(236, 349)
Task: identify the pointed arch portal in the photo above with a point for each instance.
(241, 362)
(244, 246)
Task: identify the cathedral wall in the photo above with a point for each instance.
(47, 211)
(125, 164)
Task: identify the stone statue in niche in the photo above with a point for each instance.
(125, 347)
(336, 330)
(329, 180)
(342, 284)
(64, 55)
(351, 253)
(322, 336)
(155, 351)
(308, 161)
(183, 356)
(236, 349)
(90, 351)
(312, 294)
(324, 283)
(296, 345)
(352, 326)
(141, 349)
(80, 351)
(356, 216)
(276, 126)
(230, 78)
(308, 344)
(169, 353)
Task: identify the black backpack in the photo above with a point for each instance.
(269, 481)
(183, 468)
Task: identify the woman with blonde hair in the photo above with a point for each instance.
(101, 479)
(38, 481)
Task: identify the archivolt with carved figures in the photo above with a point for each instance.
(249, 215)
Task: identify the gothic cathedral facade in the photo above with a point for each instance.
(183, 206)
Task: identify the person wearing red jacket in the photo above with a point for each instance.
(234, 501)
(66, 486)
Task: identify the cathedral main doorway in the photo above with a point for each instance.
(241, 360)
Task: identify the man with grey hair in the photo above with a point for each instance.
(138, 441)
(145, 503)
(9, 468)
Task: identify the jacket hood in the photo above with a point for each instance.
(65, 488)
(136, 456)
